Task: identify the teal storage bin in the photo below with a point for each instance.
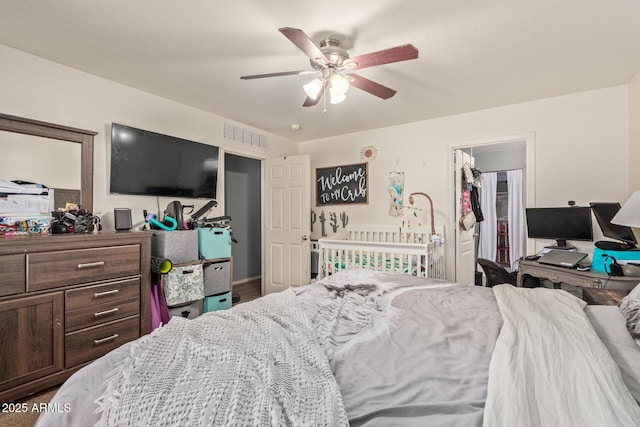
(214, 243)
(602, 258)
(217, 302)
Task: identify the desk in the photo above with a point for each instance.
(595, 296)
(573, 277)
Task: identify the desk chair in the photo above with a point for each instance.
(495, 273)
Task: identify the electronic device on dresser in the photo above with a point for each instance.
(152, 164)
(122, 219)
(560, 224)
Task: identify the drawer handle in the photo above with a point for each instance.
(102, 294)
(91, 264)
(104, 313)
(101, 340)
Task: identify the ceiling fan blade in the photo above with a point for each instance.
(310, 102)
(283, 73)
(387, 56)
(305, 44)
(370, 86)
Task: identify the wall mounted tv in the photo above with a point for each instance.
(604, 213)
(151, 164)
(560, 224)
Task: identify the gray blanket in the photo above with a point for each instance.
(397, 348)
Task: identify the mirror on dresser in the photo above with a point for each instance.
(66, 152)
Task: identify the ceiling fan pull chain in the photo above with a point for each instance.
(324, 97)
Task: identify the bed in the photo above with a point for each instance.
(366, 348)
(406, 250)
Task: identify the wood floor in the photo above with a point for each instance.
(247, 291)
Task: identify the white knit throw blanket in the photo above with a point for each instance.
(255, 365)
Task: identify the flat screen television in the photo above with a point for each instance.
(604, 212)
(153, 164)
(560, 224)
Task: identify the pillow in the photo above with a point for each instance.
(630, 308)
(609, 324)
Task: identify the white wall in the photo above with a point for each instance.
(500, 160)
(582, 141)
(634, 134)
(39, 89)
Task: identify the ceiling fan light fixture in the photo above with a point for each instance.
(336, 97)
(313, 88)
(339, 83)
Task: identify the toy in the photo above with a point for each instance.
(152, 221)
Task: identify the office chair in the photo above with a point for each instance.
(495, 273)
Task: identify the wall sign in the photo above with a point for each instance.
(346, 184)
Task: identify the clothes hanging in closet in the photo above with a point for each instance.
(475, 204)
(472, 178)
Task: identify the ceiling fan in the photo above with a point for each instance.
(336, 69)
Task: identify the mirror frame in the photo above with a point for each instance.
(64, 133)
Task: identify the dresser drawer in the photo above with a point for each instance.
(62, 268)
(12, 279)
(100, 294)
(88, 344)
(97, 314)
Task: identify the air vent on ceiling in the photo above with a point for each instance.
(244, 136)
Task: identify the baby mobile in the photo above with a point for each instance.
(396, 190)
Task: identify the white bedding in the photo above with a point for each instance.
(549, 368)
(257, 365)
(409, 351)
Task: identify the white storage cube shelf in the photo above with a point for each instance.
(192, 247)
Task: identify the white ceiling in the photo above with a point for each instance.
(473, 54)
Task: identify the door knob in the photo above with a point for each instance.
(305, 237)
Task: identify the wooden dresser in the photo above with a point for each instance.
(66, 300)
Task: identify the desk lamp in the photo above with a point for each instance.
(629, 214)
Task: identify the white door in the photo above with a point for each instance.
(465, 239)
(287, 222)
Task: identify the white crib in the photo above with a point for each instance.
(412, 251)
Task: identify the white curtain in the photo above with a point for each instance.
(516, 216)
(488, 243)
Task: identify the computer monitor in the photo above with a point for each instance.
(604, 212)
(560, 224)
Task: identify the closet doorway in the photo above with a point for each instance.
(508, 187)
(243, 203)
(502, 234)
